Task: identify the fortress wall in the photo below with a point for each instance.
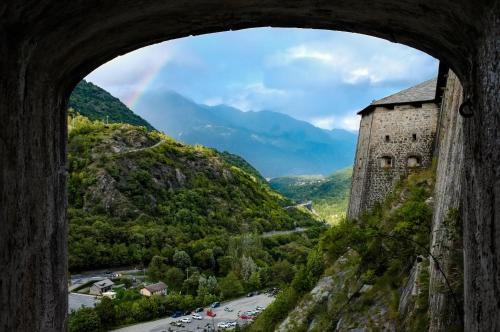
(359, 174)
(388, 133)
(446, 242)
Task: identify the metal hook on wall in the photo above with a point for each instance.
(465, 109)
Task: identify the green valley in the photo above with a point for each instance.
(193, 215)
(329, 194)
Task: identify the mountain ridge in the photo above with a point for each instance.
(96, 103)
(273, 142)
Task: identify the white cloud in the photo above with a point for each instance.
(362, 59)
(304, 52)
(256, 96)
(214, 101)
(350, 122)
(347, 122)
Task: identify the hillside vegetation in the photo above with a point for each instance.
(193, 215)
(329, 194)
(371, 273)
(134, 194)
(95, 103)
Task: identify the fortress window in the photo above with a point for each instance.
(386, 162)
(414, 161)
(387, 138)
(414, 137)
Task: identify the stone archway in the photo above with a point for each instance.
(47, 46)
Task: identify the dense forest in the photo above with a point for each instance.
(329, 194)
(135, 194)
(192, 215)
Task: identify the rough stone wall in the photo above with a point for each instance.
(359, 174)
(446, 242)
(389, 133)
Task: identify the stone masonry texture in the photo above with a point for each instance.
(401, 135)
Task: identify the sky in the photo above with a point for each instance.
(319, 76)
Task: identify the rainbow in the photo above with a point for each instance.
(146, 80)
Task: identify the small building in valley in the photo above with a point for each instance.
(154, 289)
(100, 287)
(396, 136)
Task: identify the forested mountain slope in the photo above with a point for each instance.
(134, 194)
(95, 103)
(329, 194)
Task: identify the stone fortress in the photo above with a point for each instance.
(397, 135)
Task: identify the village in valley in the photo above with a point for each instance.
(91, 288)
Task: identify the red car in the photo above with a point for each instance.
(244, 316)
(210, 313)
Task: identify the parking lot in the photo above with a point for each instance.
(76, 301)
(237, 306)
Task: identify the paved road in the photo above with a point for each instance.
(242, 304)
(295, 230)
(76, 301)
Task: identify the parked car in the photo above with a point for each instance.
(223, 325)
(245, 316)
(215, 305)
(177, 313)
(233, 323)
(250, 294)
(197, 316)
(186, 320)
(228, 309)
(259, 308)
(200, 309)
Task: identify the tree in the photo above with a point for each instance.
(231, 286)
(205, 259)
(207, 285)
(157, 268)
(254, 281)
(225, 264)
(106, 312)
(248, 267)
(181, 259)
(283, 272)
(190, 285)
(174, 278)
(84, 320)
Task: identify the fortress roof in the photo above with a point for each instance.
(425, 91)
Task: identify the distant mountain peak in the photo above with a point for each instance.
(275, 143)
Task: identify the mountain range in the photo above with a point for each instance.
(274, 143)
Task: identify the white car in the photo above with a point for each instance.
(223, 325)
(197, 316)
(231, 323)
(186, 320)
